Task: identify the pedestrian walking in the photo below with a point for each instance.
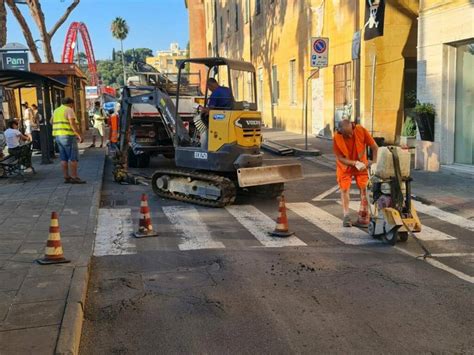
(350, 145)
(27, 118)
(66, 132)
(35, 127)
(99, 124)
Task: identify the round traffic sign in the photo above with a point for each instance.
(319, 46)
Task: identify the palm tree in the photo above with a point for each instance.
(119, 30)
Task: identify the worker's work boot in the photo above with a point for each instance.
(346, 222)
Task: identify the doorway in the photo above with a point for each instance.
(464, 121)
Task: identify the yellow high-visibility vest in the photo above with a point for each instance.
(61, 125)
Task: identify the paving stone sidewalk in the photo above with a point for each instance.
(39, 304)
(444, 189)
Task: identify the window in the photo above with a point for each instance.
(275, 86)
(247, 11)
(222, 29)
(342, 92)
(236, 17)
(258, 7)
(292, 83)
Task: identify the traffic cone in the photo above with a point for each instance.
(281, 229)
(54, 250)
(364, 215)
(145, 228)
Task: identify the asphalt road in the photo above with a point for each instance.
(213, 282)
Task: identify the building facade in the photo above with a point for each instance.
(275, 35)
(167, 61)
(446, 79)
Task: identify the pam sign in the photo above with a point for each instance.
(15, 61)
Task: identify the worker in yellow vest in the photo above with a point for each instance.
(66, 132)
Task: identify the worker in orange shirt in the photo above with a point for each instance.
(350, 145)
(114, 130)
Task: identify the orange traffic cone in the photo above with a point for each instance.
(281, 229)
(145, 228)
(54, 250)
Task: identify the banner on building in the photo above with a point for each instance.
(374, 18)
(92, 92)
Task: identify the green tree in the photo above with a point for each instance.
(119, 30)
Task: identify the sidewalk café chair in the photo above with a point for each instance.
(16, 163)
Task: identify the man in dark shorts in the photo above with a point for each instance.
(67, 134)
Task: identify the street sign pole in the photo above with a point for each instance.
(318, 60)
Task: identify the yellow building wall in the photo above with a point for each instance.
(441, 5)
(282, 32)
(397, 44)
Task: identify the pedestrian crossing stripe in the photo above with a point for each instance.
(114, 227)
(195, 234)
(259, 224)
(330, 224)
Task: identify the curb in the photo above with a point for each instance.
(70, 331)
(296, 151)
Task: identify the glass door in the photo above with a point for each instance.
(464, 131)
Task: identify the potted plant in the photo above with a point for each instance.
(408, 136)
(425, 115)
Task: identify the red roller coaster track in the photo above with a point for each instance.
(70, 43)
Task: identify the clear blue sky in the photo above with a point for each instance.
(153, 24)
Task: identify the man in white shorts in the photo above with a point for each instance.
(99, 124)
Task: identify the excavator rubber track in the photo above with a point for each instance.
(225, 185)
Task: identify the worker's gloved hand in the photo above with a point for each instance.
(360, 166)
(373, 168)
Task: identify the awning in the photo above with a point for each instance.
(15, 79)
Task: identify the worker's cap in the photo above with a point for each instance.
(67, 101)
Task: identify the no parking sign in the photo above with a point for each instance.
(319, 52)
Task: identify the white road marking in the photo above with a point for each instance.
(331, 224)
(451, 255)
(335, 189)
(426, 234)
(326, 193)
(113, 234)
(444, 216)
(195, 233)
(259, 224)
(441, 266)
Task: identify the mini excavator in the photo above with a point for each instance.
(220, 156)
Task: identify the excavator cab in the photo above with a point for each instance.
(228, 126)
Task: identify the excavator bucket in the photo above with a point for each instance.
(271, 174)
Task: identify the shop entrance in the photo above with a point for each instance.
(464, 122)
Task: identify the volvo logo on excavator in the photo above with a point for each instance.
(248, 123)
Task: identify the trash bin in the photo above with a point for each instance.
(425, 124)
